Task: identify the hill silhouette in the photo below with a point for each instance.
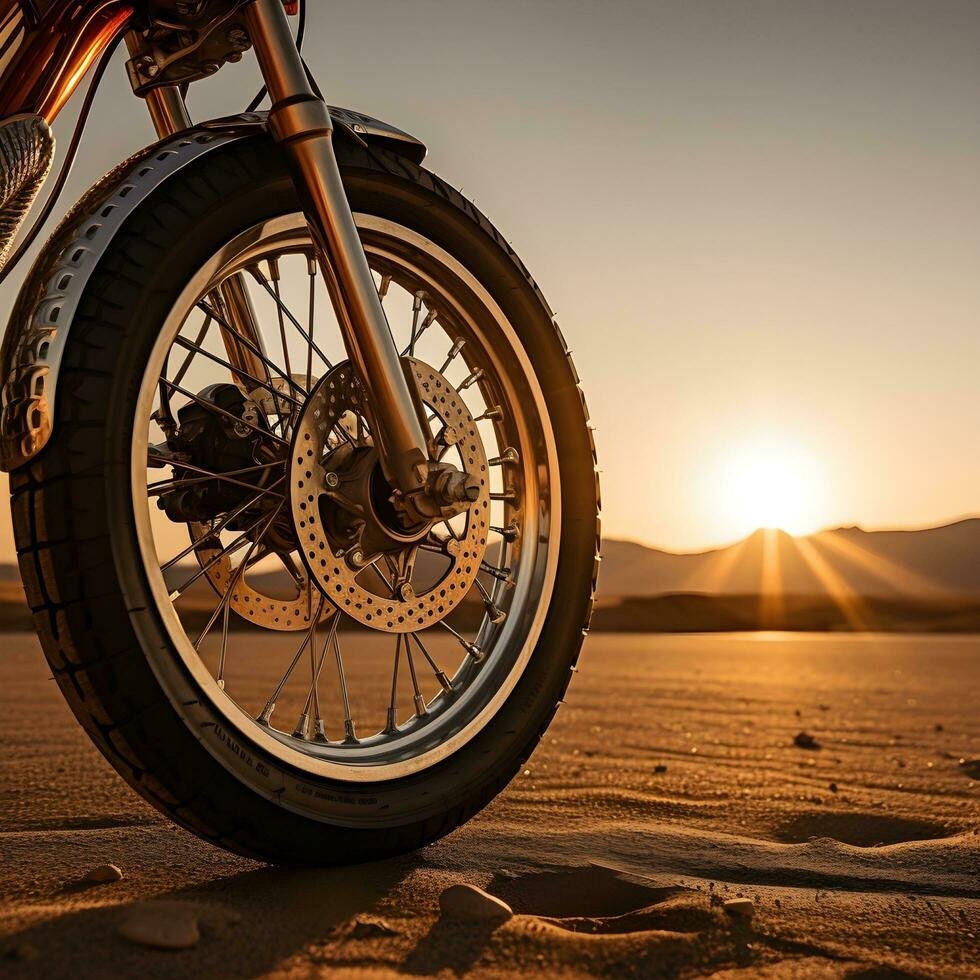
(928, 564)
(847, 578)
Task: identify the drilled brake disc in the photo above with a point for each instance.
(363, 594)
(247, 601)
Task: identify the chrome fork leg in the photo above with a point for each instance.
(168, 111)
(301, 123)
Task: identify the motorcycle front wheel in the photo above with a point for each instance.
(226, 599)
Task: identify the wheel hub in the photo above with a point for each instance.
(359, 545)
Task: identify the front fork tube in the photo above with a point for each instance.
(300, 123)
(168, 112)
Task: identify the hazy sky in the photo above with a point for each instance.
(758, 222)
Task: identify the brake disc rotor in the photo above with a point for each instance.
(248, 602)
(325, 416)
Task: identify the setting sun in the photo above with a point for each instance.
(769, 484)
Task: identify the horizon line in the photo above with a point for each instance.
(823, 530)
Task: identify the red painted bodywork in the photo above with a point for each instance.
(56, 49)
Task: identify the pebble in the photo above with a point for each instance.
(163, 925)
(364, 928)
(474, 904)
(743, 908)
(660, 769)
(804, 740)
(103, 874)
(971, 767)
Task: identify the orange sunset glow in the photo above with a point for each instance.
(491, 490)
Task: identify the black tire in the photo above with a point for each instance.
(76, 539)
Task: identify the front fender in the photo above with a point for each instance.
(46, 304)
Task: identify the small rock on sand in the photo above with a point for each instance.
(161, 928)
(474, 904)
(659, 769)
(173, 925)
(971, 767)
(103, 874)
(370, 928)
(804, 740)
(742, 908)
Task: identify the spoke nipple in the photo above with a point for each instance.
(474, 651)
(444, 682)
(471, 379)
(497, 616)
(221, 683)
(509, 455)
(301, 726)
(320, 734)
(392, 725)
(420, 708)
(265, 717)
(350, 738)
(332, 480)
(508, 533)
(453, 353)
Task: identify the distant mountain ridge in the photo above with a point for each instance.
(931, 563)
(843, 579)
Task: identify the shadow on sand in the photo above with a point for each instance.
(263, 917)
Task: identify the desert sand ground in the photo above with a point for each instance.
(669, 783)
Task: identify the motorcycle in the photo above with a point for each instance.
(303, 488)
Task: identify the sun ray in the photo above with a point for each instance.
(771, 582)
(894, 575)
(844, 597)
(720, 568)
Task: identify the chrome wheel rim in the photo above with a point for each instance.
(439, 704)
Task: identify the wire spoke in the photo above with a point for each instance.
(420, 709)
(198, 341)
(252, 348)
(311, 272)
(274, 268)
(187, 345)
(312, 696)
(289, 316)
(270, 705)
(392, 725)
(269, 491)
(350, 736)
(162, 486)
(213, 532)
(230, 549)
